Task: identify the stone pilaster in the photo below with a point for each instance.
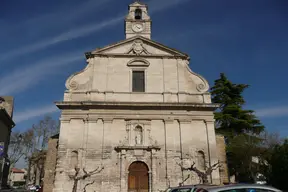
(184, 129)
(211, 141)
(123, 182)
(152, 173)
(61, 165)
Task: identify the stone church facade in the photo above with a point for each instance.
(137, 110)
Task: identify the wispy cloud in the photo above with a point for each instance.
(63, 15)
(23, 78)
(69, 35)
(84, 30)
(54, 21)
(160, 5)
(34, 112)
(270, 112)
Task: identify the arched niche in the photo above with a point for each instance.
(74, 159)
(138, 135)
(201, 160)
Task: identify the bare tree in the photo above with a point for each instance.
(76, 177)
(270, 140)
(43, 130)
(20, 145)
(24, 144)
(203, 175)
(182, 183)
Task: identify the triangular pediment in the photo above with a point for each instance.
(138, 45)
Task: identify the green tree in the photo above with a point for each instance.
(279, 166)
(240, 127)
(244, 156)
(231, 118)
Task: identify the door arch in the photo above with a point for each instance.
(138, 177)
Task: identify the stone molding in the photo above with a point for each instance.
(135, 122)
(185, 121)
(108, 120)
(95, 104)
(168, 121)
(146, 148)
(138, 62)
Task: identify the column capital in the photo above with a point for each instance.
(107, 120)
(185, 121)
(65, 119)
(168, 121)
(210, 121)
(92, 119)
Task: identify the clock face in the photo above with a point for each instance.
(137, 27)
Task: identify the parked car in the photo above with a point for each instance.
(237, 188)
(186, 188)
(31, 187)
(38, 188)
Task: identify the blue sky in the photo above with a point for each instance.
(43, 42)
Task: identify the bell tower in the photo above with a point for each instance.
(138, 22)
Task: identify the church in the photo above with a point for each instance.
(137, 112)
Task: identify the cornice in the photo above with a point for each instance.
(124, 55)
(146, 148)
(133, 105)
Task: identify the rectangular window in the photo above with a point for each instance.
(138, 82)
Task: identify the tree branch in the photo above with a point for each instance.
(180, 184)
(87, 184)
(76, 178)
(89, 174)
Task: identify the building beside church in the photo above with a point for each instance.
(137, 110)
(6, 125)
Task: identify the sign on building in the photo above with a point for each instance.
(2, 149)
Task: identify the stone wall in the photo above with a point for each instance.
(8, 104)
(50, 164)
(165, 143)
(221, 148)
(6, 124)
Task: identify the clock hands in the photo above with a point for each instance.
(137, 27)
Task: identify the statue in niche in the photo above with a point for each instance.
(138, 135)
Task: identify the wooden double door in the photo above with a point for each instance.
(138, 178)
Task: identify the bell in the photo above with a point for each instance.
(138, 14)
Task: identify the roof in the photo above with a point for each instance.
(16, 170)
(99, 51)
(137, 3)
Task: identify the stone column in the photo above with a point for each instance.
(123, 187)
(147, 128)
(168, 125)
(212, 150)
(150, 181)
(184, 130)
(61, 164)
(82, 152)
(152, 176)
(107, 122)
